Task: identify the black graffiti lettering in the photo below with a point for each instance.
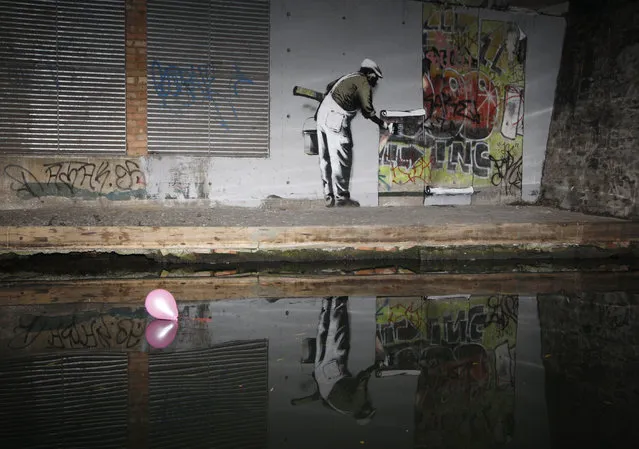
(27, 330)
(103, 333)
(64, 332)
(55, 340)
(129, 332)
(476, 322)
(508, 171)
(22, 180)
(472, 157)
(460, 154)
(456, 330)
(440, 154)
(481, 160)
(73, 175)
(72, 178)
(502, 311)
(466, 109)
(485, 44)
(494, 64)
(434, 331)
(127, 175)
(102, 175)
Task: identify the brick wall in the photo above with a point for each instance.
(136, 96)
(592, 162)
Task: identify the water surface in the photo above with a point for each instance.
(465, 370)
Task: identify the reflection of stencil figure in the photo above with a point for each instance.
(336, 386)
(513, 122)
(344, 98)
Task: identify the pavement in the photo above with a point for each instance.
(145, 214)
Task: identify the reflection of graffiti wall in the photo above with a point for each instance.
(464, 348)
(113, 179)
(473, 79)
(51, 328)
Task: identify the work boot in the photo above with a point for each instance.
(347, 202)
(329, 200)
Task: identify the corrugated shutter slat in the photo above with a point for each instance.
(64, 400)
(208, 77)
(62, 75)
(216, 397)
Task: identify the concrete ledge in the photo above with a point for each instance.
(492, 231)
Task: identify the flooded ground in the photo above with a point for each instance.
(474, 369)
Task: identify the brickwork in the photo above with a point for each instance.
(592, 162)
(136, 81)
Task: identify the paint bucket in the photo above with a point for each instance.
(309, 131)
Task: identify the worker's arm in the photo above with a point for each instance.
(365, 94)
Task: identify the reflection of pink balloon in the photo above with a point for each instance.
(160, 333)
(161, 305)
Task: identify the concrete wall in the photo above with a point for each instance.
(593, 164)
(312, 43)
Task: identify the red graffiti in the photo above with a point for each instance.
(420, 171)
(460, 105)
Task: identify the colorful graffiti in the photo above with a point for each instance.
(463, 348)
(473, 82)
(404, 162)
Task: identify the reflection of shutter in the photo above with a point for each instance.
(208, 76)
(62, 79)
(64, 400)
(215, 397)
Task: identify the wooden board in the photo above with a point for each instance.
(133, 291)
(207, 239)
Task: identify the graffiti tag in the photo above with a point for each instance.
(507, 171)
(69, 332)
(182, 86)
(72, 178)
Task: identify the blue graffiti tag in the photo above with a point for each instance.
(186, 85)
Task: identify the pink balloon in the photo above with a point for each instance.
(161, 305)
(160, 333)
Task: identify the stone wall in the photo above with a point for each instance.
(592, 163)
(590, 348)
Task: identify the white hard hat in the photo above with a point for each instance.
(370, 64)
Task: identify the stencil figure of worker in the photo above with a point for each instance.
(336, 386)
(344, 97)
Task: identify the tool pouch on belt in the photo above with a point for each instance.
(335, 121)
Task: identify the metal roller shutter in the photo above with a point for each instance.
(214, 397)
(208, 77)
(64, 401)
(62, 76)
